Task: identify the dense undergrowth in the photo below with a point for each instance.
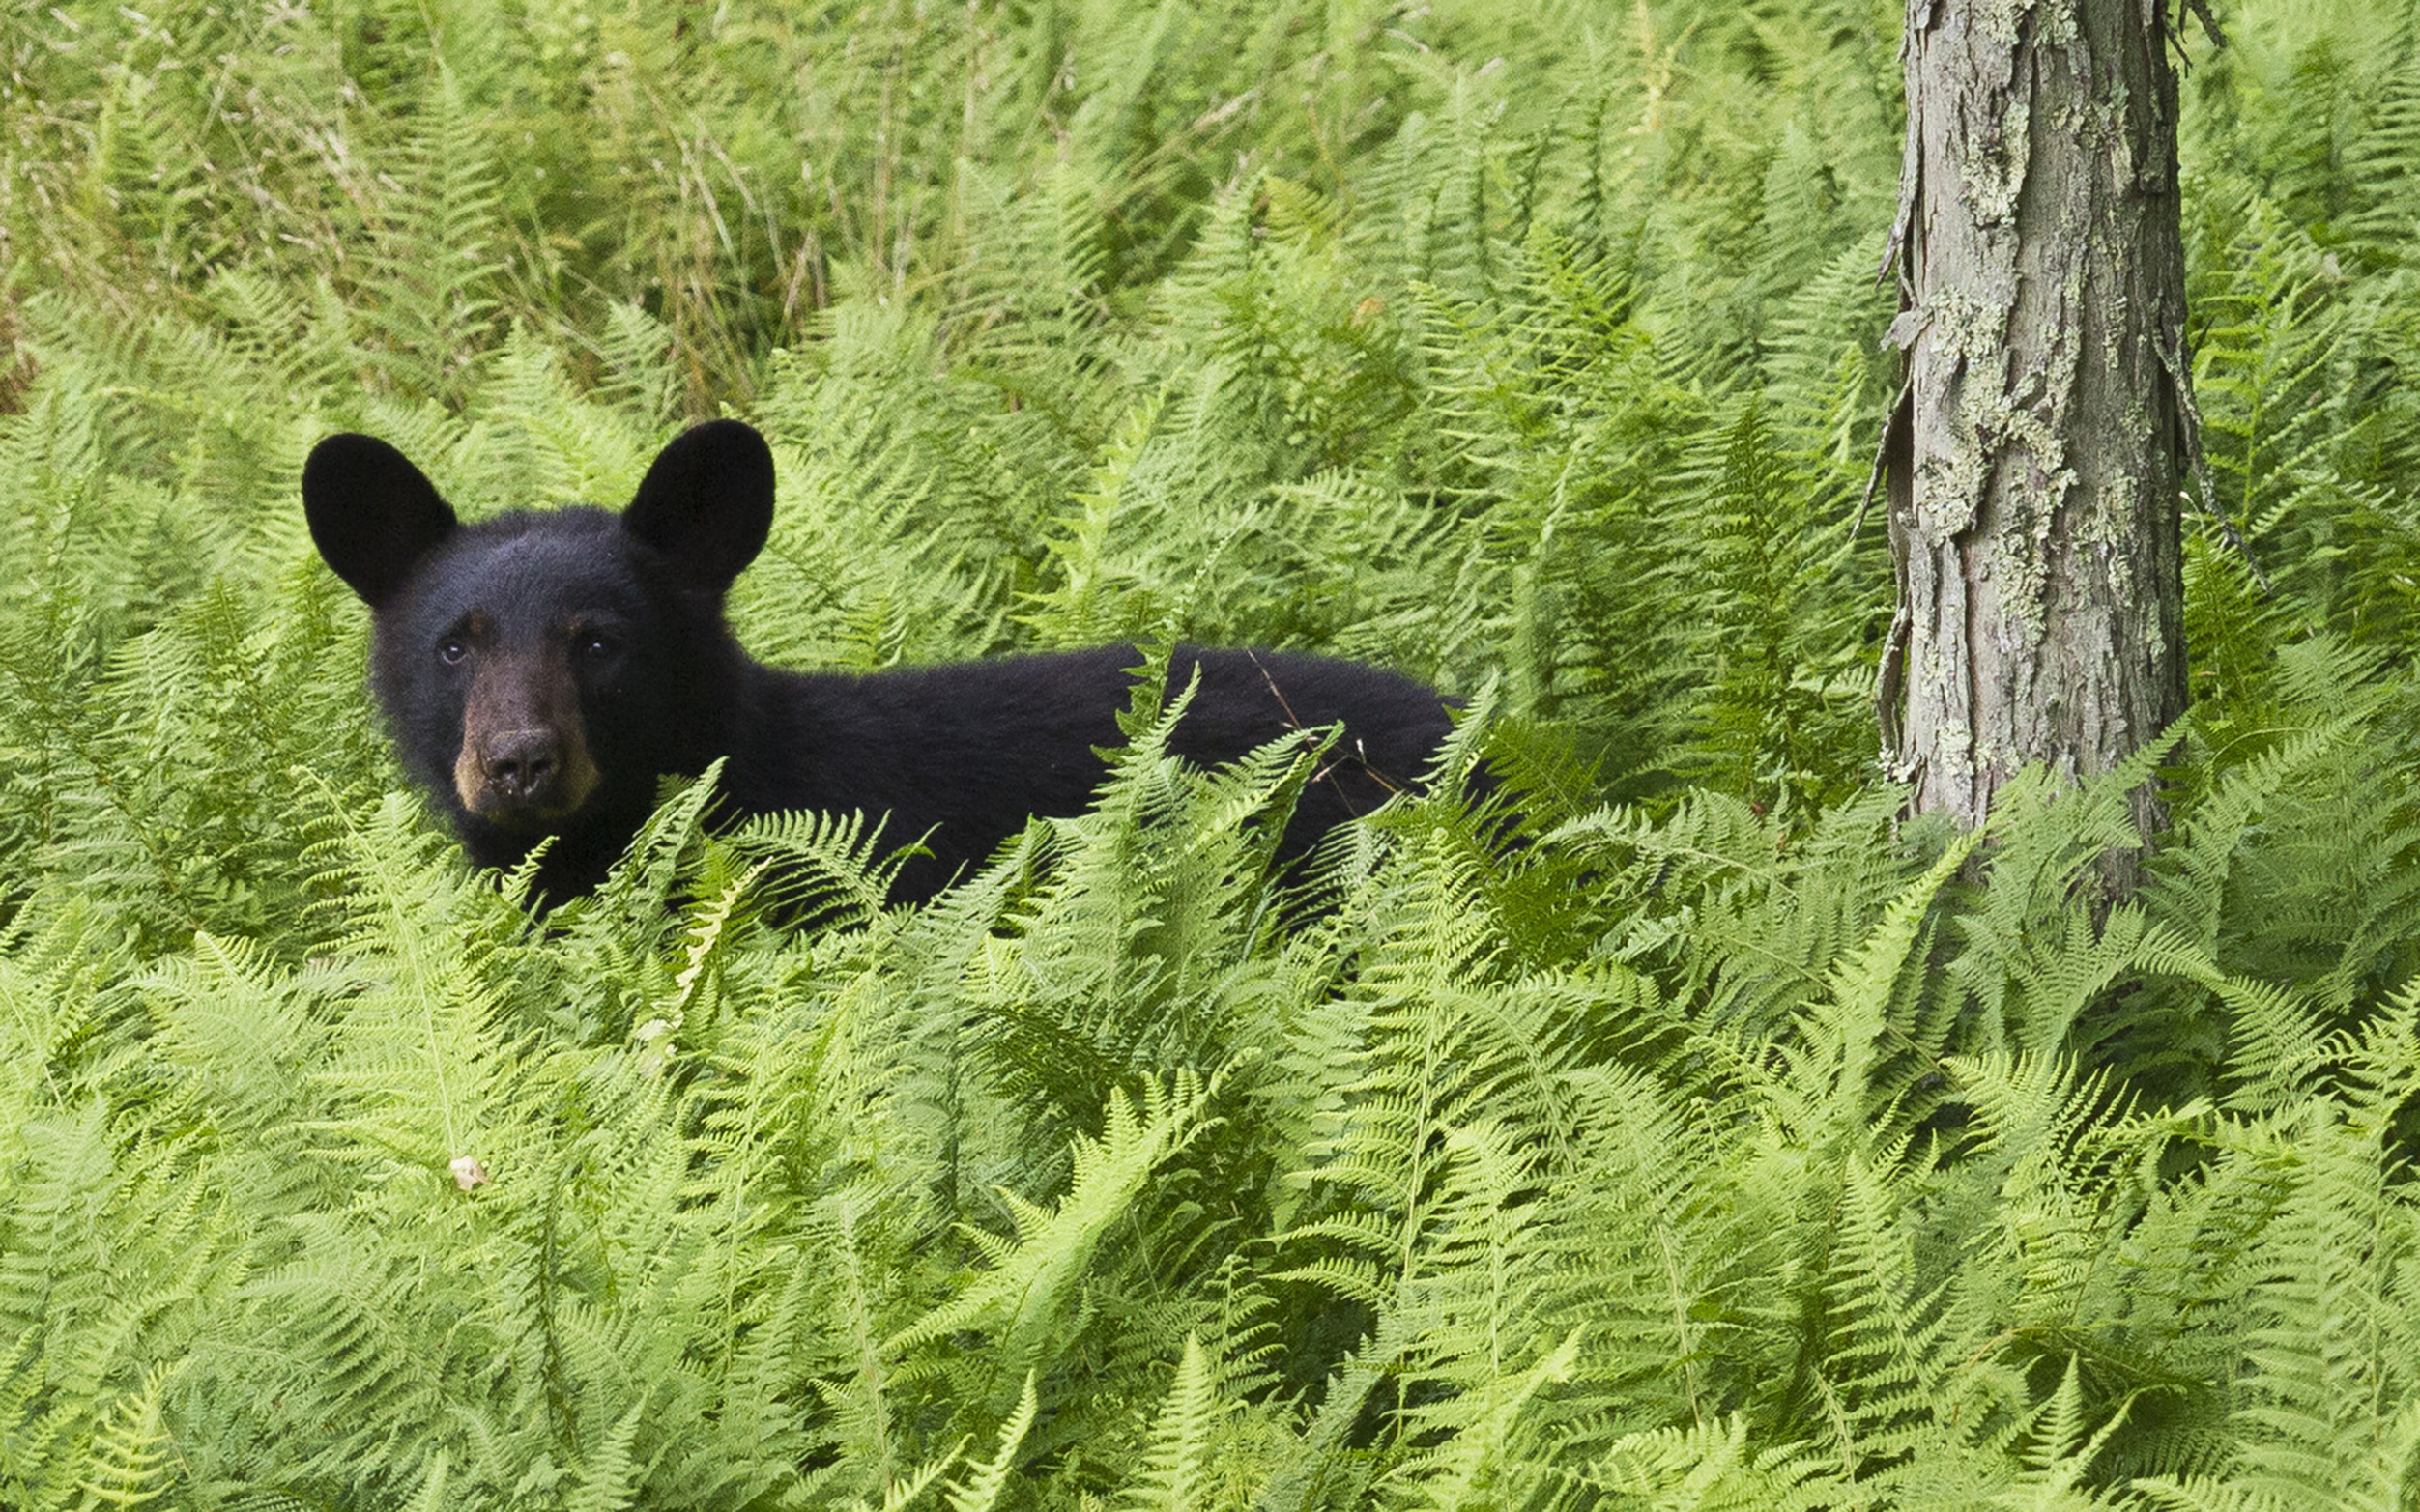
(1723, 1142)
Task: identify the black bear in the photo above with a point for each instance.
(541, 670)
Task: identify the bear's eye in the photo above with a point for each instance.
(593, 644)
(451, 650)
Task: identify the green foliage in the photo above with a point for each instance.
(1670, 1126)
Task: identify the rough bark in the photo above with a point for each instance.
(2034, 460)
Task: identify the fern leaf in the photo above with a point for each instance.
(981, 1491)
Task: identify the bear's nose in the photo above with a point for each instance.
(521, 765)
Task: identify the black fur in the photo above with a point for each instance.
(614, 623)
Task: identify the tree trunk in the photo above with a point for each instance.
(2034, 459)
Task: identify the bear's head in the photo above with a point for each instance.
(544, 669)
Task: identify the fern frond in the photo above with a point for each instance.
(981, 1491)
(1021, 1299)
(431, 264)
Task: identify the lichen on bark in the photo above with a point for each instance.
(2033, 467)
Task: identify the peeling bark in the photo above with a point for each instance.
(2033, 462)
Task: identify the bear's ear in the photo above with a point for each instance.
(707, 504)
(373, 514)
